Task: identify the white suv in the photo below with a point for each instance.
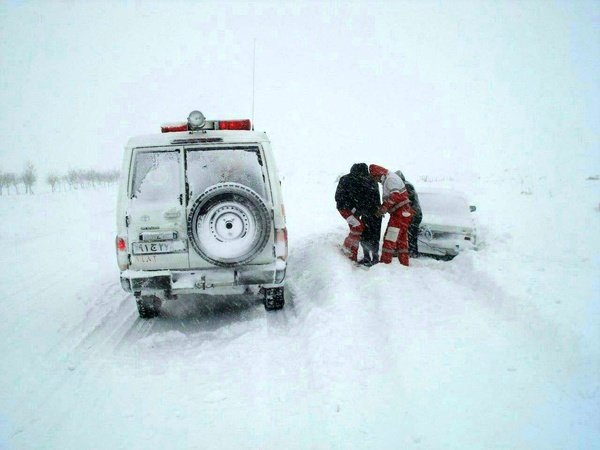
(200, 210)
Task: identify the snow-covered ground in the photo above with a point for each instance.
(498, 348)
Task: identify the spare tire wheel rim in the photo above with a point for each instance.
(229, 224)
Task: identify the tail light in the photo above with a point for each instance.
(121, 244)
(281, 244)
(122, 256)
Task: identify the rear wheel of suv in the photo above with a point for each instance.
(229, 224)
(148, 306)
(273, 299)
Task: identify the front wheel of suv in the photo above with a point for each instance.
(273, 298)
(148, 306)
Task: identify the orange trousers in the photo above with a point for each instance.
(353, 239)
(396, 236)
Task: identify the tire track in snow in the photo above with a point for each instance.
(100, 341)
(78, 356)
(105, 307)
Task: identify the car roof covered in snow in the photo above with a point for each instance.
(193, 138)
(435, 190)
(444, 206)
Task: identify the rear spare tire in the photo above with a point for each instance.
(229, 224)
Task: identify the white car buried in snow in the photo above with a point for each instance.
(447, 226)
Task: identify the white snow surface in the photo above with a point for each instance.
(498, 348)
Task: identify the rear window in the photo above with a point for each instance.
(209, 166)
(156, 176)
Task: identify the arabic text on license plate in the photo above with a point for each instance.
(142, 248)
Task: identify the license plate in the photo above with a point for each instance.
(146, 248)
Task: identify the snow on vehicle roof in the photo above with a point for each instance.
(444, 207)
(185, 137)
(422, 189)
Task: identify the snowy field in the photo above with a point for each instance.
(498, 348)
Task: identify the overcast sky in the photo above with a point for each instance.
(434, 87)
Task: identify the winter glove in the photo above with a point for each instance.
(353, 221)
(381, 211)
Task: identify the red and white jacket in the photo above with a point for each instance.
(394, 194)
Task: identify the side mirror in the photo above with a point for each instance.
(473, 208)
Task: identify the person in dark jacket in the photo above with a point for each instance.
(413, 229)
(372, 232)
(357, 199)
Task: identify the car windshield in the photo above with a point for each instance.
(156, 176)
(209, 166)
(443, 204)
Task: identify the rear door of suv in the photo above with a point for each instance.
(237, 175)
(156, 212)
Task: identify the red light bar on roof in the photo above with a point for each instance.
(172, 127)
(235, 125)
(197, 122)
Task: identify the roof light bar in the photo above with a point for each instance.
(197, 122)
(234, 125)
(173, 127)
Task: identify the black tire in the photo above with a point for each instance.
(437, 257)
(148, 306)
(446, 257)
(229, 224)
(273, 298)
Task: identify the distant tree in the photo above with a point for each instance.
(82, 178)
(52, 179)
(72, 178)
(114, 176)
(95, 177)
(29, 177)
(8, 179)
(3, 182)
(13, 180)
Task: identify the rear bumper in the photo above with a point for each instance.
(444, 247)
(206, 281)
(433, 248)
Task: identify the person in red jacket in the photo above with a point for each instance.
(397, 204)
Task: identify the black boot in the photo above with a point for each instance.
(374, 258)
(370, 259)
(366, 259)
